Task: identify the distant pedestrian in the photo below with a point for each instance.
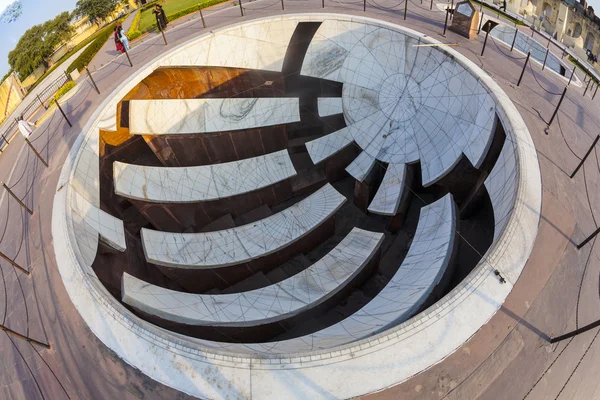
(25, 127)
(161, 17)
(503, 6)
(118, 43)
(123, 37)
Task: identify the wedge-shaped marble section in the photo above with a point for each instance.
(201, 183)
(329, 106)
(387, 198)
(326, 146)
(187, 116)
(256, 45)
(422, 269)
(242, 243)
(109, 228)
(360, 167)
(277, 302)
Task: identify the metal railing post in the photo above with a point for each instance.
(524, 66)
(430, 5)
(572, 74)
(14, 264)
(26, 338)
(16, 198)
(587, 86)
(514, 39)
(128, 58)
(63, 113)
(445, 23)
(201, 17)
(283, 7)
(595, 91)
(485, 42)
(41, 102)
(162, 31)
(585, 157)
(241, 8)
(92, 79)
(406, 8)
(36, 153)
(558, 105)
(545, 59)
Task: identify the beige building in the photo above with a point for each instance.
(11, 94)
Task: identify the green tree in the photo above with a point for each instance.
(95, 10)
(38, 43)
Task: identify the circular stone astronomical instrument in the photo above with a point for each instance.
(214, 370)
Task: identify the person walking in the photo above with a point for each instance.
(118, 43)
(161, 17)
(123, 37)
(25, 127)
(503, 6)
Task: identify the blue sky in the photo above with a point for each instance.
(34, 12)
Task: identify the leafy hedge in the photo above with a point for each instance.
(88, 54)
(149, 5)
(62, 91)
(134, 29)
(186, 11)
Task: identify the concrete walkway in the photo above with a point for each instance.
(509, 358)
(109, 52)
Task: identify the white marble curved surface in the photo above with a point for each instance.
(273, 303)
(402, 103)
(201, 183)
(242, 243)
(189, 116)
(240, 371)
(389, 193)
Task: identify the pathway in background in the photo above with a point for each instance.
(108, 52)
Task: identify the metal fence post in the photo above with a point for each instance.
(128, 58)
(595, 91)
(430, 5)
(16, 198)
(41, 102)
(201, 17)
(283, 7)
(92, 79)
(572, 74)
(162, 31)
(514, 39)
(241, 8)
(587, 86)
(485, 41)
(545, 58)
(558, 105)
(524, 66)
(445, 23)
(585, 157)
(38, 155)
(406, 8)
(63, 113)
(14, 264)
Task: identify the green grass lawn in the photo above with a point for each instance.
(172, 9)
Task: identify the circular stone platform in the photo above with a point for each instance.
(394, 98)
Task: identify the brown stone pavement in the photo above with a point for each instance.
(508, 358)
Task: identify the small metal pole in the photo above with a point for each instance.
(545, 59)
(161, 30)
(558, 105)
(16, 198)
(92, 79)
(485, 42)
(572, 74)
(63, 113)
(128, 58)
(323, 3)
(26, 338)
(430, 5)
(595, 91)
(587, 87)
(445, 23)
(241, 9)
(514, 39)
(406, 8)
(283, 7)
(14, 264)
(575, 332)
(585, 157)
(524, 66)
(41, 102)
(202, 17)
(36, 152)
(587, 240)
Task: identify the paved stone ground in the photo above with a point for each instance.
(509, 358)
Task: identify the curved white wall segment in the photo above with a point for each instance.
(214, 370)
